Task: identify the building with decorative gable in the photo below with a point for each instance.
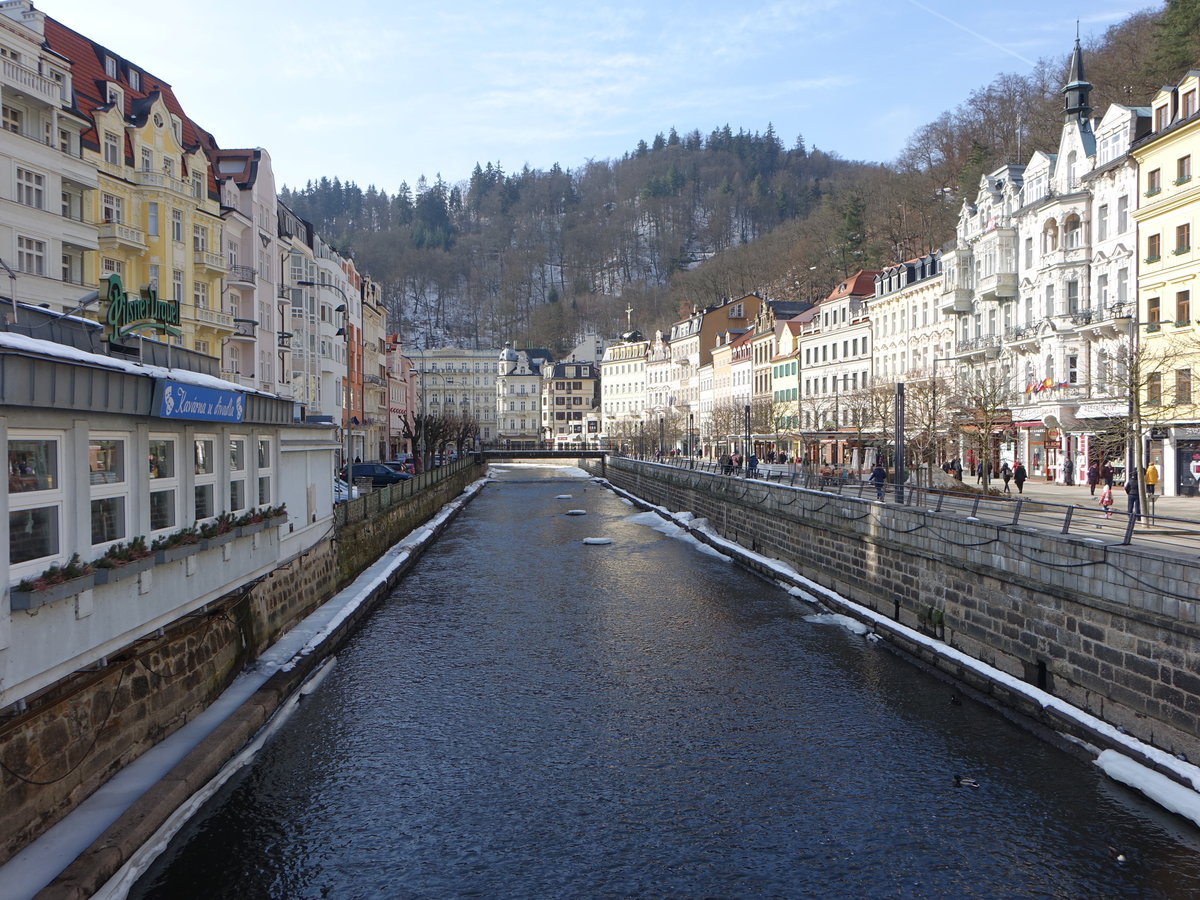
(156, 201)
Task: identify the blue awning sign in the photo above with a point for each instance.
(188, 401)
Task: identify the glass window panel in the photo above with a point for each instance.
(203, 453)
(162, 510)
(237, 495)
(108, 519)
(237, 455)
(32, 534)
(264, 490)
(264, 454)
(162, 459)
(106, 461)
(204, 501)
(32, 465)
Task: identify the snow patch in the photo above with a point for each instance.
(852, 625)
(1159, 788)
(597, 541)
(576, 512)
(563, 497)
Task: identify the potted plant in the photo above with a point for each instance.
(277, 515)
(177, 545)
(220, 531)
(55, 583)
(123, 561)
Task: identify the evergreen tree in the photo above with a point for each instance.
(1177, 47)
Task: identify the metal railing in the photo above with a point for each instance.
(372, 502)
(1151, 531)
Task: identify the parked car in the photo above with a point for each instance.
(400, 467)
(379, 474)
(343, 492)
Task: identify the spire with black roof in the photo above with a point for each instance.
(1076, 91)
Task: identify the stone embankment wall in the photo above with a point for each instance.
(1111, 630)
(80, 732)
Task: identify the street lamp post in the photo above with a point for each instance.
(660, 437)
(344, 309)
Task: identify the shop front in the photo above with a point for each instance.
(1187, 467)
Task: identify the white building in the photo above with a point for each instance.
(45, 184)
(451, 380)
(518, 398)
(623, 392)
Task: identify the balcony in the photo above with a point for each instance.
(1109, 321)
(35, 84)
(208, 318)
(372, 379)
(243, 275)
(166, 182)
(121, 235)
(998, 286)
(213, 262)
(985, 346)
(957, 300)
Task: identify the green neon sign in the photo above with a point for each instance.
(133, 312)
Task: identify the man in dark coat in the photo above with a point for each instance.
(878, 478)
(1019, 476)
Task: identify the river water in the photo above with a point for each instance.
(532, 717)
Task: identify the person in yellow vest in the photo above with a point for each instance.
(1151, 477)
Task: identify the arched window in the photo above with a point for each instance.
(1072, 232)
(1050, 236)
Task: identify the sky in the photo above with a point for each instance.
(381, 92)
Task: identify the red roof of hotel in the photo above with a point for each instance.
(90, 80)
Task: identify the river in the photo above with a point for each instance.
(528, 716)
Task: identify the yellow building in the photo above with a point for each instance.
(1169, 340)
(156, 206)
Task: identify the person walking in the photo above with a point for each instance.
(1019, 476)
(752, 466)
(1106, 501)
(1107, 473)
(1151, 479)
(1093, 477)
(956, 466)
(879, 479)
(1006, 473)
(1135, 498)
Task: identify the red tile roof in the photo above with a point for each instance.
(860, 284)
(89, 81)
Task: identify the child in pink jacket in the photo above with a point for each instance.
(1106, 501)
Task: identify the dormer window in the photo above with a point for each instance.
(135, 79)
(1161, 118)
(110, 66)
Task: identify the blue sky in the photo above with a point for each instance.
(383, 91)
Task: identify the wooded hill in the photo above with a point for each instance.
(687, 220)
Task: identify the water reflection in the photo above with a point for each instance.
(530, 716)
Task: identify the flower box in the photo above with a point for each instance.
(127, 570)
(172, 554)
(33, 599)
(218, 540)
(251, 528)
(276, 521)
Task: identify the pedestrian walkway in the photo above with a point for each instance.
(1187, 508)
